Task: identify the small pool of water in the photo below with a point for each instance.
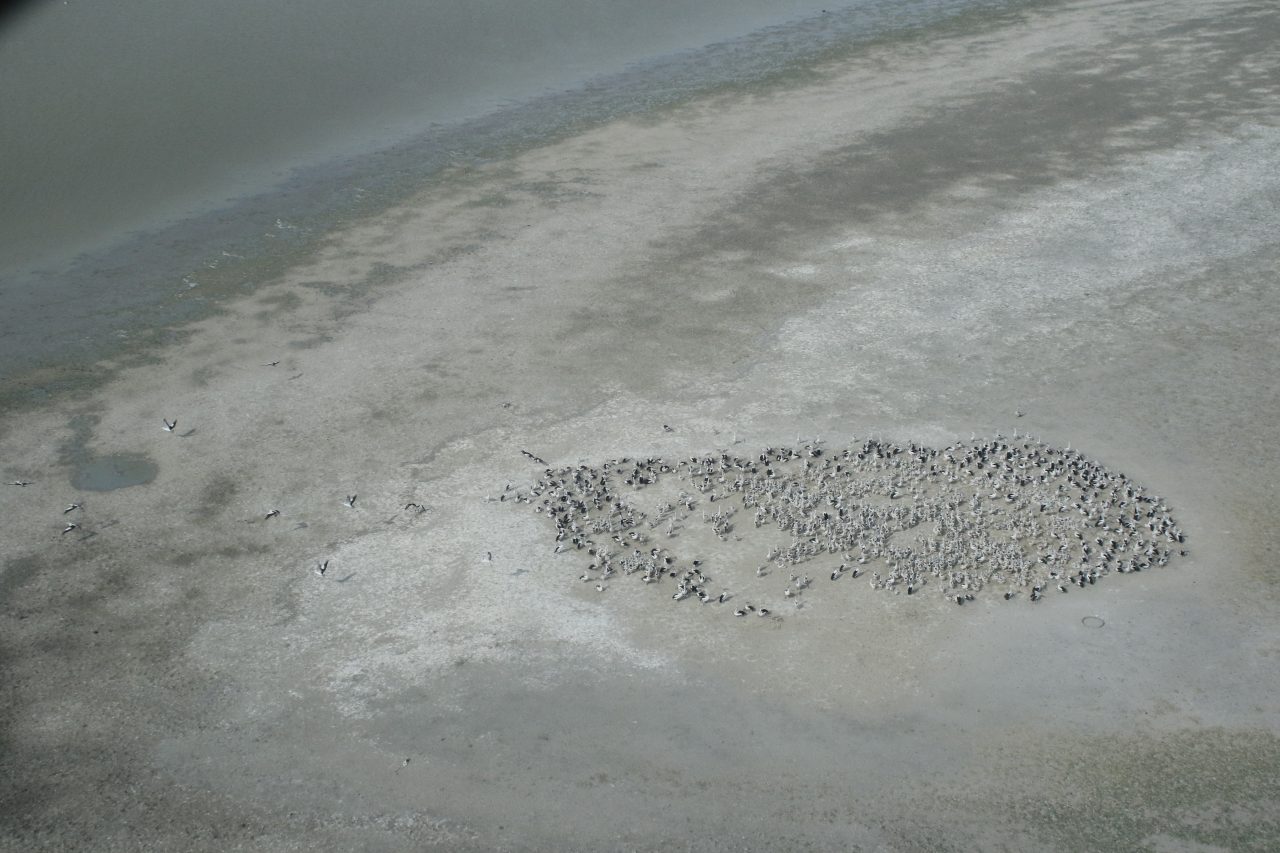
(117, 471)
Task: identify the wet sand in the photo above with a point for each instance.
(1070, 215)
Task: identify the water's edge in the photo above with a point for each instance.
(124, 302)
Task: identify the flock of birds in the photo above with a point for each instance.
(1012, 514)
(71, 526)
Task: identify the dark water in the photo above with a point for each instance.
(117, 113)
(161, 154)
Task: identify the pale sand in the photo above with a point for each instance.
(1073, 216)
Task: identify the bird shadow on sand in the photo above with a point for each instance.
(188, 433)
(347, 578)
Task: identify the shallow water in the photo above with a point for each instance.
(117, 114)
(160, 157)
(116, 471)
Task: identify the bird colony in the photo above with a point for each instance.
(1011, 517)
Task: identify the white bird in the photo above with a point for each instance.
(70, 527)
(170, 426)
(321, 568)
(350, 501)
(71, 508)
(271, 514)
(488, 557)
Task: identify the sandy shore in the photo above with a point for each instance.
(1071, 215)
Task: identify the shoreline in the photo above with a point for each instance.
(135, 293)
(1066, 218)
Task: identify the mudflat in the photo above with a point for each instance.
(1060, 225)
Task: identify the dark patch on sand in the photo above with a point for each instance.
(18, 572)
(1206, 786)
(217, 494)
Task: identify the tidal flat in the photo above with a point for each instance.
(1060, 223)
